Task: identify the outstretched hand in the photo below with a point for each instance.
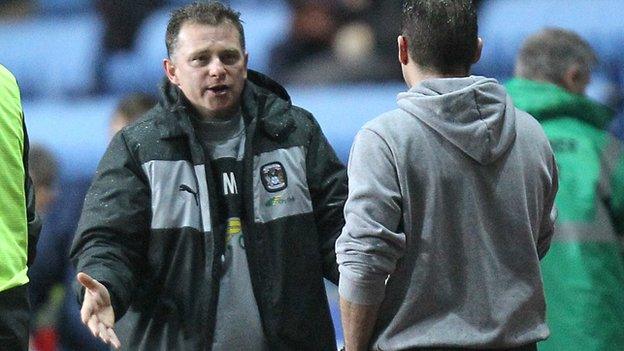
(97, 311)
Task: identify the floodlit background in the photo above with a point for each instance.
(75, 59)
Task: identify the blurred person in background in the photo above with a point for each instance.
(211, 222)
(11, 10)
(43, 170)
(617, 127)
(52, 273)
(450, 204)
(19, 226)
(584, 272)
(122, 20)
(337, 42)
(129, 109)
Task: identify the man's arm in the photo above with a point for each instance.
(358, 322)
(97, 311)
(370, 244)
(327, 181)
(113, 232)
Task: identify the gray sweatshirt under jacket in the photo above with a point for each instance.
(450, 208)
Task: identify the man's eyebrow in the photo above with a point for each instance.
(231, 51)
(208, 51)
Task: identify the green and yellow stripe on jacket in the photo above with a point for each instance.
(13, 218)
(584, 270)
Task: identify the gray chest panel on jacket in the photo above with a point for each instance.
(179, 195)
(280, 184)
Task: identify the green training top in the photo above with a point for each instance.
(584, 271)
(13, 221)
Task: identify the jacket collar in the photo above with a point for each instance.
(263, 100)
(548, 101)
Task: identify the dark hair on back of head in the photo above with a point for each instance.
(441, 34)
(134, 106)
(212, 13)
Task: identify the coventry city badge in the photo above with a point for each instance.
(273, 177)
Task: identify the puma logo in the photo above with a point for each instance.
(188, 189)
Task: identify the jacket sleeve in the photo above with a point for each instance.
(371, 242)
(327, 182)
(34, 222)
(113, 230)
(547, 227)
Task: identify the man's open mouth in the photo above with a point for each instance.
(219, 89)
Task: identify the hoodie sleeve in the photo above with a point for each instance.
(550, 211)
(371, 242)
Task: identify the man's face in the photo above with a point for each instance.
(210, 67)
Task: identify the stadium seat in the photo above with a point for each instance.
(75, 130)
(61, 7)
(52, 56)
(342, 110)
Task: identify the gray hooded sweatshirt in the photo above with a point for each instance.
(449, 211)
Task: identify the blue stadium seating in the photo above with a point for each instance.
(342, 110)
(504, 24)
(75, 130)
(52, 56)
(61, 7)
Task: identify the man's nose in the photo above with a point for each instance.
(216, 68)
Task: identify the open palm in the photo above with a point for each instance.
(97, 312)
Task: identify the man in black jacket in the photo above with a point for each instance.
(211, 222)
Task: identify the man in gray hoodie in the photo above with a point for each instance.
(450, 204)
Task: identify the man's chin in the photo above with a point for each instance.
(224, 112)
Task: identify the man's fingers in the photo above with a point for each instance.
(114, 340)
(92, 323)
(103, 333)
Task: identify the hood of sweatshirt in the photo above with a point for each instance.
(473, 113)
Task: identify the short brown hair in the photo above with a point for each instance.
(212, 13)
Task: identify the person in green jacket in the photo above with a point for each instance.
(584, 271)
(19, 227)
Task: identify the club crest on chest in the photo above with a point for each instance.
(273, 177)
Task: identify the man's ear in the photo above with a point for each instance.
(403, 50)
(575, 79)
(246, 58)
(170, 71)
(477, 55)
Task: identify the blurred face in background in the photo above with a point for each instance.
(210, 67)
(118, 121)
